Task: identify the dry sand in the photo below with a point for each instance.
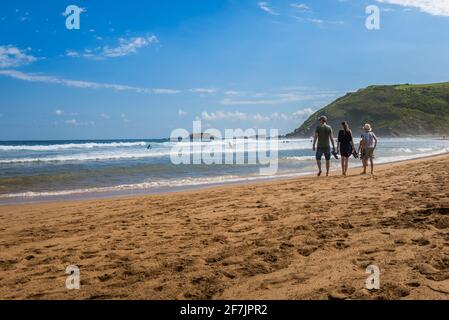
(308, 238)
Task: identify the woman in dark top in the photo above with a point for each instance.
(345, 146)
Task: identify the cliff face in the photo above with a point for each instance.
(398, 110)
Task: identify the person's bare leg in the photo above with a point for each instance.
(343, 166)
(328, 165)
(372, 165)
(365, 164)
(318, 162)
(346, 165)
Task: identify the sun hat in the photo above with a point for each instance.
(367, 127)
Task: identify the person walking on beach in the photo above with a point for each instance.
(367, 147)
(323, 134)
(345, 146)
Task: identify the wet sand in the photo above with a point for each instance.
(305, 238)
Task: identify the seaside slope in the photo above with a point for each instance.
(394, 111)
(307, 238)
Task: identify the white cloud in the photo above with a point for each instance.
(125, 47)
(204, 90)
(286, 95)
(300, 6)
(59, 112)
(318, 21)
(74, 122)
(82, 10)
(166, 91)
(433, 7)
(222, 115)
(72, 54)
(181, 113)
(233, 93)
(128, 46)
(241, 116)
(304, 113)
(96, 85)
(275, 100)
(278, 116)
(266, 7)
(81, 84)
(124, 118)
(104, 116)
(11, 56)
(260, 118)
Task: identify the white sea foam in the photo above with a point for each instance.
(299, 159)
(92, 145)
(86, 157)
(388, 159)
(159, 150)
(403, 150)
(151, 185)
(56, 147)
(424, 149)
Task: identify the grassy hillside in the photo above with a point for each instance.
(399, 110)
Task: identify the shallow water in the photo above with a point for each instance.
(31, 170)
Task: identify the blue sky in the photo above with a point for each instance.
(140, 69)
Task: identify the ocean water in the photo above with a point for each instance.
(48, 170)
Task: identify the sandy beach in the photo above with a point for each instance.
(305, 238)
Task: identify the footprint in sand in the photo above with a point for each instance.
(307, 250)
(391, 291)
(421, 241)
(432, 273)
(342, 293)
(413, 284)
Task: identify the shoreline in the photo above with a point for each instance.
(124, 194)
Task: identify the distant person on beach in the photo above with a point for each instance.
(323, 135)
(367, 146)
(345, 146)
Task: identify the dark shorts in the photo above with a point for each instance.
(368, 153)
(325, 151)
